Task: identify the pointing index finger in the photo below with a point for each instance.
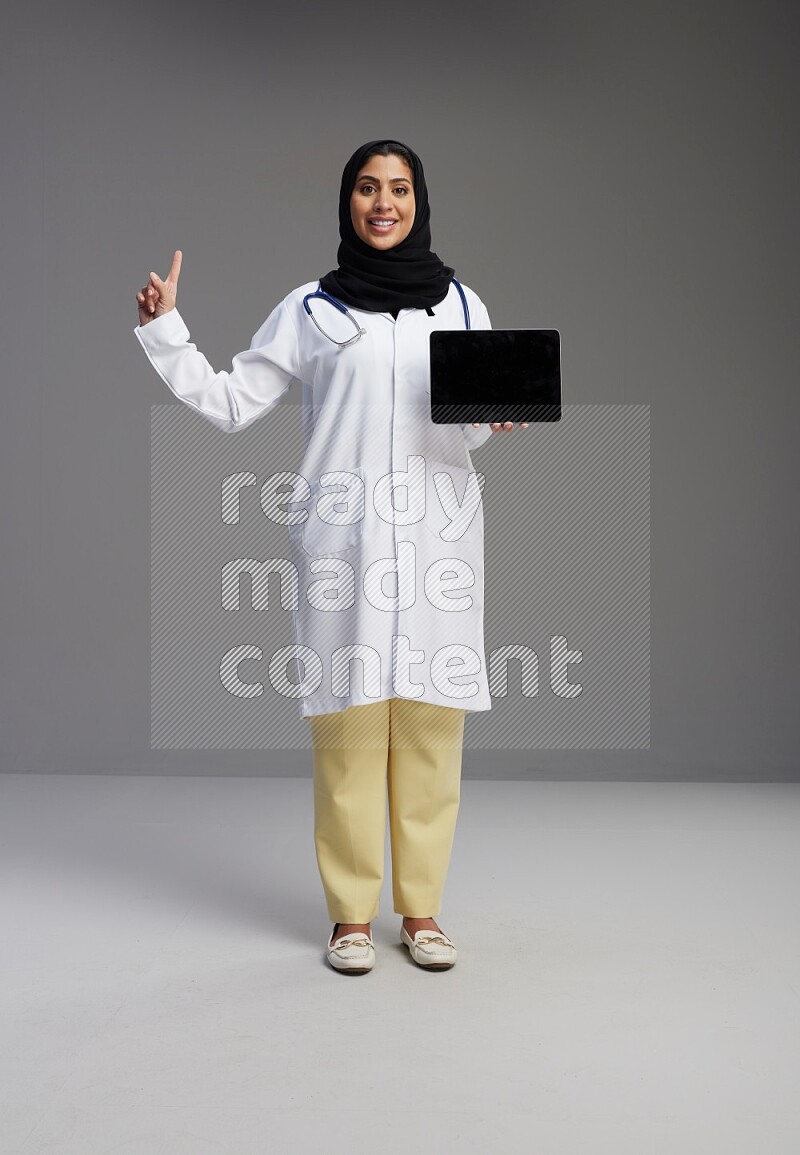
(175, 270)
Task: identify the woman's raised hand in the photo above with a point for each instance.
(158, 297)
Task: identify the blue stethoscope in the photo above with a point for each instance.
(323, 296)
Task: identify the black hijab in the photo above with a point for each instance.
(407, 276)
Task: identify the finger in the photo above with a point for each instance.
(476, 424)
(508, 425)
(523, 425)
(175, 270)
(156, 280)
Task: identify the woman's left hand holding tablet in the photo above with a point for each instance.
(502, 426)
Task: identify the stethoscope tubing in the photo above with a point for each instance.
(322, 295)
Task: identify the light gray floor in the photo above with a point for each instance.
(628, 975)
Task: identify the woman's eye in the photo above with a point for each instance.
(366, 189)
(401, 189)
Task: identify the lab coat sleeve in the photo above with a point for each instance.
(232, 399)
(479, 320)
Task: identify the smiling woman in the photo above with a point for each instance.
(382, 205)
(386, 266)
(394, 728)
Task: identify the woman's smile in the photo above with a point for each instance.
(382, 224)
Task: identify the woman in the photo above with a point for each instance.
(414, 651)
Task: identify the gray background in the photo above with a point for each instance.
(625, 172)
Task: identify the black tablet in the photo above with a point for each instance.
(495, 375)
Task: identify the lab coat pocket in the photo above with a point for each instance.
(335, 513)
(454, 503)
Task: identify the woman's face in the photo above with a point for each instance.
(382, 202)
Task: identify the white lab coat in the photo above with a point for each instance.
(415, 618)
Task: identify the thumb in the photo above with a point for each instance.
(154, 277)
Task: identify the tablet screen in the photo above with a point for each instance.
(495, 375)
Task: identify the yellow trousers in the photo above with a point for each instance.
(411, 751)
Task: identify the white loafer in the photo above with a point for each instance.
(353, 954)
(430, 949)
